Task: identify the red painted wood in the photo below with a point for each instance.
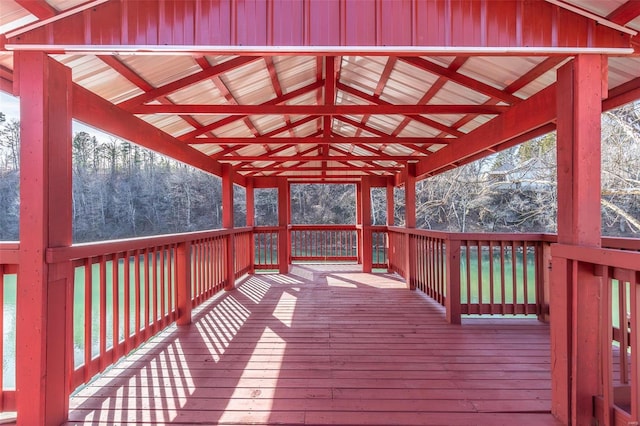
(39, 8)
(95, 111)
(390, 203)
(337, 365)
(625, 13)
(42, 317)
(382, 108)
(227, 221)
(349, 23)
(284, 206)
(365, 221)
(576, 337)
(183, 284)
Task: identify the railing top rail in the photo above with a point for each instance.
(268, 228)
(84, 250)
(598, 256)
(328, 227)
(9, 253)
(467, 236)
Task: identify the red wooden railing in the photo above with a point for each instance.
(379, 246)
(8, 272)
(136, 284)
(619, 402)
(495, 274)
(324, 242)
(266, 247)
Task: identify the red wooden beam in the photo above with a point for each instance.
(302, 168)
(187, 81)
(275, 82)
(134, 78)
(625, 13)
(523, 117)
(623, 94)
(418, 118)
(188, 137)
(283, 158)
(543, 67)
(39, 8)
(382, 82)
(383, 108)
(224, 90)
(461, 79)
(100, 113)
(433, 90)
(321, 140)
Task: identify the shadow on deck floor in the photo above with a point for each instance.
(328, 345)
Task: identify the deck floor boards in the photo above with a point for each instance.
(328, 345)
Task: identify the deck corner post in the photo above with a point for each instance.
(44, 292)
(575, 328)
(183, 272)
(365, 211)
(452, 299)
(251, 224)
(228, 223)
(410, 223)
(283, 225)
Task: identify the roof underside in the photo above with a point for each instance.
(282, 92)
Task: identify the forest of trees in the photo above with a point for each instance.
(121, 190)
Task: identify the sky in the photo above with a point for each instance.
(10, 106)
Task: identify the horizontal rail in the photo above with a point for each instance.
(79, 251)
(9, 253)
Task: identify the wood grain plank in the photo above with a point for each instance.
(323, 345)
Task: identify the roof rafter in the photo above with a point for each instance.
(187, 137)
(282, 158)
(39, 8)
(384, 78)
(433, 90)
(128, 73)
(321, 140)
(535, 72)
(277, 87)
(461, 79)
(424, 120)
(626, 13)
(382, 108)
(187, 81)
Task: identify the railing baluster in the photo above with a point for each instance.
(491, 283)
(524, 278)
(127, 302)
(88, 287)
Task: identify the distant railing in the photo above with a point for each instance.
(619, 316)
(379, 247)
(8, 275)
(266, 247)
(324, 242)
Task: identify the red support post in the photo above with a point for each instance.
(452, 298)
(410, 222)
(283, 223)
(227, 222)
(575, 354)
(251, 222)
(44, 291)
(359, 220)
(365, 220)
(390, 202)
(183, 273)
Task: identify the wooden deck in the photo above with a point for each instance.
(328, 345)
